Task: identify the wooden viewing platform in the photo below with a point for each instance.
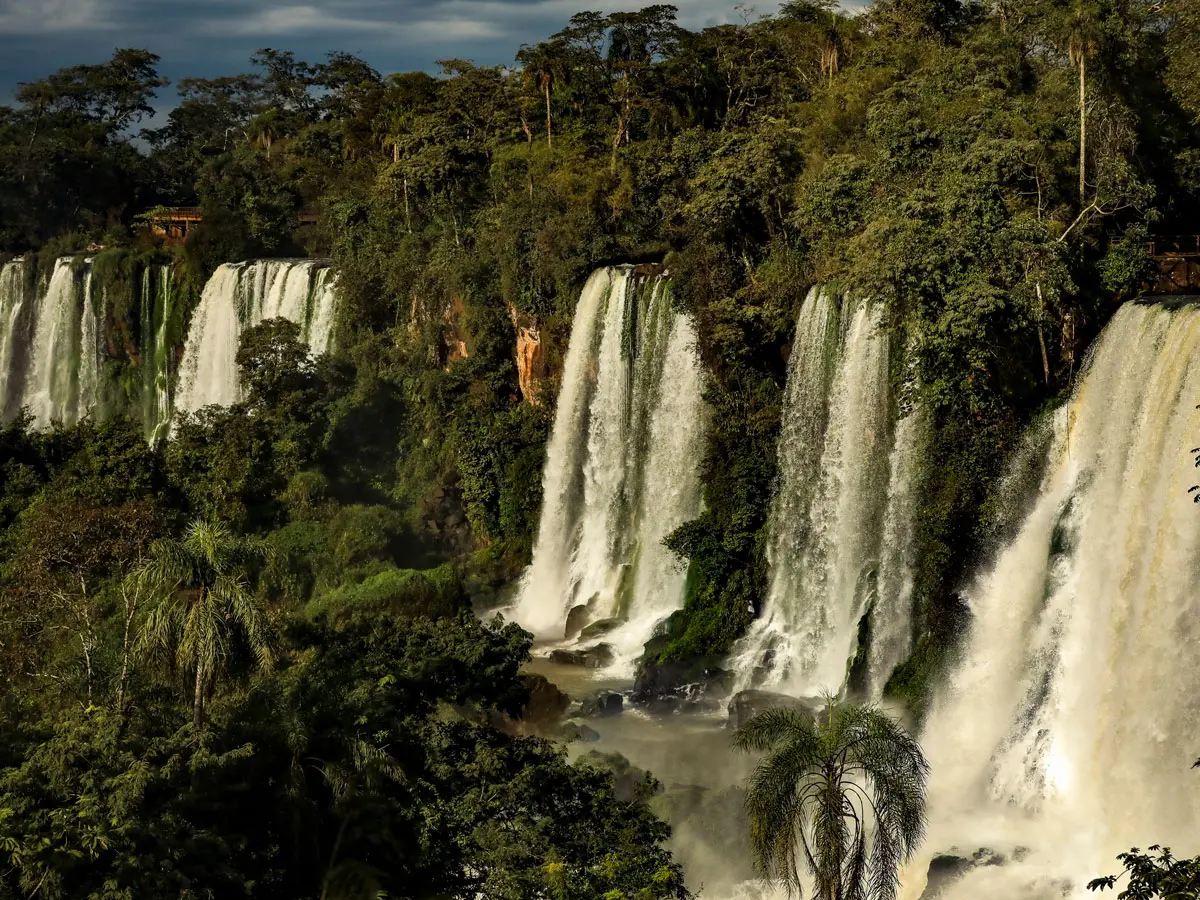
(177, 222)
(1178, 259)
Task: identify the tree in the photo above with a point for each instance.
(202, 603)
(636, 41)
(824, 786)
(1183, 51)
(1154, 874)
(544, 66)
(1080, 38)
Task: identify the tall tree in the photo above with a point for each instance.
(202, 603)
(825, 785)
(1079, 35)
(544, 66)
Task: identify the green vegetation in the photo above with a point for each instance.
(989, 170)
(296, 707)
(829, 786)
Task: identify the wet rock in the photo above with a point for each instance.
(601, 703)
(598, 628)
(592, 658)
(745, 705)
(546, 703)
(947, 868)
(576, 621)
(681, 686)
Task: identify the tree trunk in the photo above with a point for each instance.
(198, 701)
(407, 214)
(1082, 128)
(549, 130)
(1041, 336)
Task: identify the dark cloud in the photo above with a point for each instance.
(214, 37)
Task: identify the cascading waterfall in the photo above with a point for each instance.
(1071, 724)
(61, 358)
(14, 325)
(61, 379)
(622, 466)
(55, 346)
(239, 296)
(841, 532)
(157, 311)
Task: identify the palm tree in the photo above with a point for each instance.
(831, 48)
(201, 603)
(543, 67)
(1079, 34)
(825, 789)
(264, 129)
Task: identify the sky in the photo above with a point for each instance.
(207, 38)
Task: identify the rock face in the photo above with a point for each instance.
(531, 364)
(592, 658)
(947, 868)
(576, 621)
(453, 332)
(744, 705)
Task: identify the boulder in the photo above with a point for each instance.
(601, 703)
(592, 658)
(681, 686)
(577, 731)
(599, 628)
(744, 705)
(577, 619)
(546, 703)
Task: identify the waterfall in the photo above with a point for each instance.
(840, 529)
(62, 377)
(622, 465)
(14, 325)
(1071, 723)
(155, 350)
(62, 359)
(544, 595)
(239, 296)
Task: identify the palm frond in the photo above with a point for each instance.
(844, 794)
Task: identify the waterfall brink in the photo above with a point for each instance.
(622, 465)
(840, 531)
(239, 296)
(1071, 723)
